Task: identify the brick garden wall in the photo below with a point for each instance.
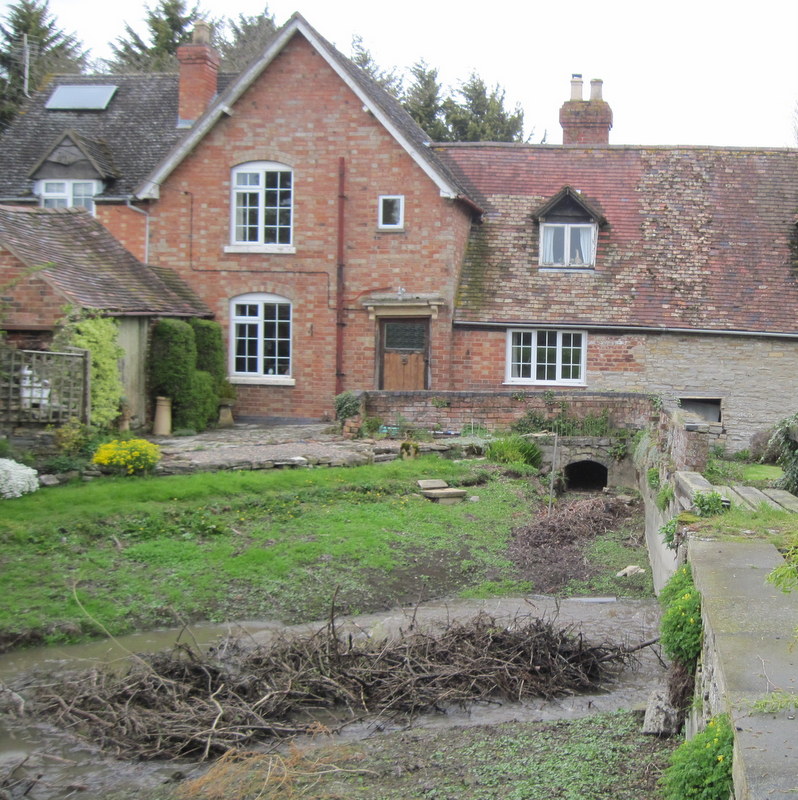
(499, 410)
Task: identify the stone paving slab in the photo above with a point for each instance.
(266, 446)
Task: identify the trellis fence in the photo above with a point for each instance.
(43, 387)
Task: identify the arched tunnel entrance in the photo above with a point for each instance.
(585, 476)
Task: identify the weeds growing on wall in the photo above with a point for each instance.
(566, 425)
(701, 767)
(681, 628)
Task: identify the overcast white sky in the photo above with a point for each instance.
(675, 72)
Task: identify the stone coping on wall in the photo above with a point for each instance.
(750, 653)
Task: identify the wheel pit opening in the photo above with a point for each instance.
(585, 476)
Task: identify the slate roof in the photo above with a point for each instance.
(127, 139)
(695, 238)
(90, 266)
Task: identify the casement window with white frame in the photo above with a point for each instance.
(68, 193)
(391, 214)
(262, 208)
(260, 339)
(567, 244)
(546, 357)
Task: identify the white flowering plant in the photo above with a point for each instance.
(16, 479)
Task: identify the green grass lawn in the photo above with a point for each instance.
(142, 552)
(120, 554)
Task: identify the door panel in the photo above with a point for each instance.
(404, 358)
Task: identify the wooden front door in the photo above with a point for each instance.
(405, 354)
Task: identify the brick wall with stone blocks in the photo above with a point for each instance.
(666, 365)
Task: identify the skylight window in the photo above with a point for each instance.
(81, 98)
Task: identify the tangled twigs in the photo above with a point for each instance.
(185, 703)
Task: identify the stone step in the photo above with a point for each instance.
(755, 497)
(447, 496)
(786, 500)
(432, 483)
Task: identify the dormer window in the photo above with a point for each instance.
(68, 193)
(568, 231)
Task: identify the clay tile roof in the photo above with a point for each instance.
(90, 267)
(696, 238)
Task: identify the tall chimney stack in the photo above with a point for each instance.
(199, 68)
(585, 122)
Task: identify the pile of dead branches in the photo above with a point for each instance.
(186, 703)
(548, 550)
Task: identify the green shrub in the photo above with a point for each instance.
(128, 457)
(664, 496)
(173, 358)
(676, 585)
(347, 405)
(514, 450)
(701, 767)
(681, 628)
(784, 441)
(210, 351)
(98, 335)
(197, 406)
(708, 504)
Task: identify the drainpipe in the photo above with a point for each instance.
(339, 283)
(146, 227)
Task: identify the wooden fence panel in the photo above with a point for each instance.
(44, 387)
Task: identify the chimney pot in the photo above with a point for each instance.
(595, 89)
(576, 87)
(201, 33)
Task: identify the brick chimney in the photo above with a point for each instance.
(199, 67)
(585, 122)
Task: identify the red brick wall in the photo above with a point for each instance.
(301, 114)
(499, 410)
(479, 358)
(128, 226)
(34, 303)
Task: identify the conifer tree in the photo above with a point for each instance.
(169, 24)
(423, 101)
(32, 47)
(480, 116)
(241, 40)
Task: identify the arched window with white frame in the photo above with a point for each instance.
(260, 338)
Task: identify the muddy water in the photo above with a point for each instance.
(67, 766)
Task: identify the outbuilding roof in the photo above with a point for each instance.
(84, 262)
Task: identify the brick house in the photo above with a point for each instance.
(342, 250)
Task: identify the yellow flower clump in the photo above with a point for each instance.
(129, 456)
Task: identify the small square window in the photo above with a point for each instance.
(391, 212)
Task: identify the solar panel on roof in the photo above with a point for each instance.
(81, 98)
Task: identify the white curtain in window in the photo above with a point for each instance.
(586, 244)
(548, 244)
